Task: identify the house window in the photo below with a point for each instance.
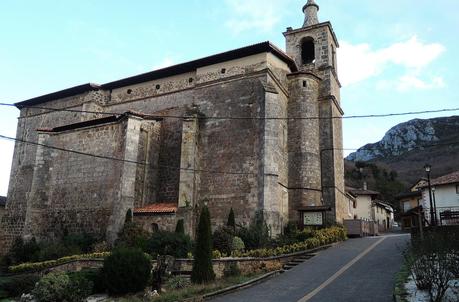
(355, 204)
(407, 206)
(457, 189)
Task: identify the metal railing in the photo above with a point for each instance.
(445, 215)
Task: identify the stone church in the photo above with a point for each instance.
(255, 129)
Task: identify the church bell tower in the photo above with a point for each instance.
(315, 155)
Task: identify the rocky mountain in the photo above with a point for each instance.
(408, 146)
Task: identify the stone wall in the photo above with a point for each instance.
(229, 149)
(165, 222)
(30, 119)
(61, 179)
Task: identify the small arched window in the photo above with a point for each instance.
(308, 53)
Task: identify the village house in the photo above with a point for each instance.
(255, 129)
(368, 209)
(410, 206)
(364, 202)
(383, 215)
(445, 198)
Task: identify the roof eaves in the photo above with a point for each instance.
(166, 72)
(58, 95)
(89, 123)
(206, 61)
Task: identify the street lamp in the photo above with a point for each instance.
(428, 167)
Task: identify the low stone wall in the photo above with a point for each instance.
(75, 266)
(185, 266)
(245, 265)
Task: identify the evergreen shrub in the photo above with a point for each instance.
(62, 287)
(231, 220)
(257, 235)
(238, 244)
(24, 251)
(180, 227)
(202, 265)
(52, 287)
(133, 236)
(95, 276)
(177, 245)
(222, 239)
(126, 270)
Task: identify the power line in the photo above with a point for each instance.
(122, 160)
(190, 169)
(242, 117)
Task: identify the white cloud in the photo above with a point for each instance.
(360, 62)
(166, 62)
(254, 14)
(408, 82)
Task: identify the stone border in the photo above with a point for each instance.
(237, 287)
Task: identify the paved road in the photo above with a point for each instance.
(355, 270)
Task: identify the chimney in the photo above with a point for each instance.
(365, 186)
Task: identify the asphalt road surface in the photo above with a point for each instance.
(360, 269)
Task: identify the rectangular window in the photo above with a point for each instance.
(457, 189)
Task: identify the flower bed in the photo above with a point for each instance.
(319, 238)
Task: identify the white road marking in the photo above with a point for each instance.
(341, 271)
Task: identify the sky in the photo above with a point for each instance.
(394, 56)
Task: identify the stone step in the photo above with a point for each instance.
(298, 260)
(307, 256)
(289, 266)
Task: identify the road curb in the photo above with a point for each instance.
(242, 285)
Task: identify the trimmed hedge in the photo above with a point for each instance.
(38, 266)
(126, 270)
(319, 238)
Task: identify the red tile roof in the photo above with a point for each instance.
(157, 208)
(451, 178)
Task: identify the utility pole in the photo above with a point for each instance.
(428, 168)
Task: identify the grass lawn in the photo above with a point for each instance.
(400, 279)
(193, 291)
